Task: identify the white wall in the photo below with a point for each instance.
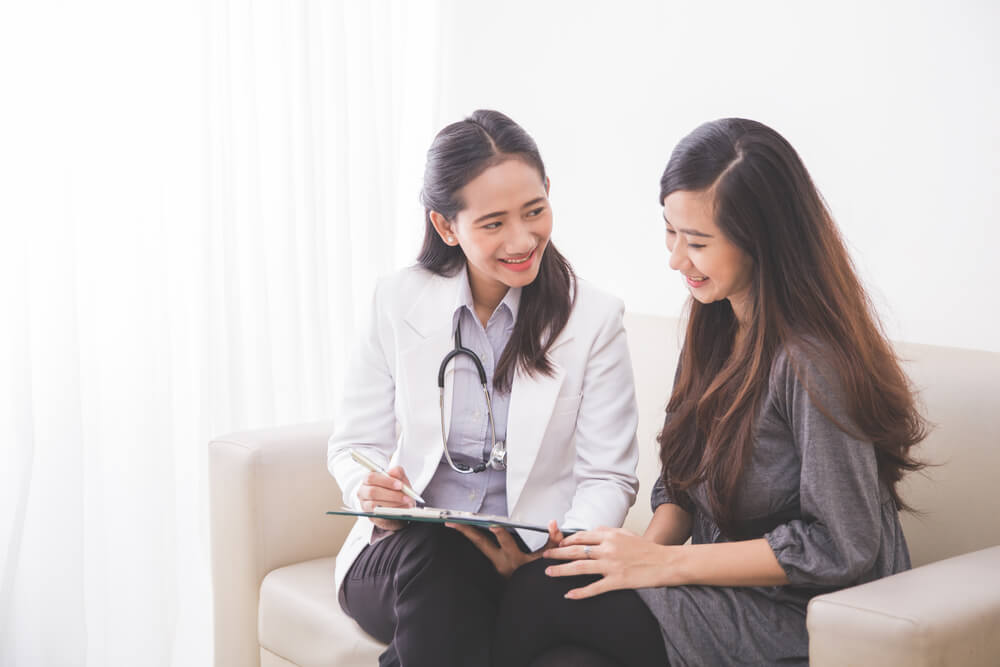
(894, 107)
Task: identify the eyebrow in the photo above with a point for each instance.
(692, 232)
(498, 213)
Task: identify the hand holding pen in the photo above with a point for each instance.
(384, 488)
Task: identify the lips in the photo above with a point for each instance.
(519, 263)
(696, 281)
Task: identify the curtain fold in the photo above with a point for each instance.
(199, 196)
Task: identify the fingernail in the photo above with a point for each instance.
(569, 596)
(548, 571)
(397, 485)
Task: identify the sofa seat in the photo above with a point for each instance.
(301, 622)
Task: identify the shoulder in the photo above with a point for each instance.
(591, 303)
(397, 291)
(404, 280)
(805, 371)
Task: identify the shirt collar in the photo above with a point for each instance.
(463, 297)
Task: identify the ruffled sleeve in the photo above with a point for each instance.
(837, 538)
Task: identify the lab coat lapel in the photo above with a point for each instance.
(429, 339)
(532, 400)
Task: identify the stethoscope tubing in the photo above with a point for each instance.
(496, 460)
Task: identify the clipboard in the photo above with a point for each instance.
(438, 515)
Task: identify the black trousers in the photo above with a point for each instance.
(436, 600)
(539, 627)
(429, 593)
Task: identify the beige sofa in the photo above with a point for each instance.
(273, 547)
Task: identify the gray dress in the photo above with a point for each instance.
(813, 492)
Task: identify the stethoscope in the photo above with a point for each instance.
(497, 458)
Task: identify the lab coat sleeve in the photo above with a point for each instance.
(366, 420)
(607, 451)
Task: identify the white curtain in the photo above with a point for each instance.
(195, 199)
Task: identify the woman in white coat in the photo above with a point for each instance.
(562, 398)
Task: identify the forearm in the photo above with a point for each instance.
(746, 563)
(600, 503)
(670, 525)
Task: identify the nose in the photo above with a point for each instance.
(678, 256)
(520, 239)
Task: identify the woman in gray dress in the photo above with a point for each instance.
(788, 428)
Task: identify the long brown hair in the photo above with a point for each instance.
(804, 294)
(459, 153)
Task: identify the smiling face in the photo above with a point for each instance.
(711, 265)
(503, 229)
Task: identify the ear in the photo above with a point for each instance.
(445, 229)
(547, 183)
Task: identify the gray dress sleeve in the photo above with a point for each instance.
(838, 536)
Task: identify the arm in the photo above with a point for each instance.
(670, 525)
(626, 560)
(838, 535)
(834, 543)
(367, 422)
(607, 451)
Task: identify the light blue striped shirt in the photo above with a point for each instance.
(469, 434)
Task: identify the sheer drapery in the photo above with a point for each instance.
(197, 196)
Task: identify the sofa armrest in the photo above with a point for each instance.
(269, 491)
(944, 613)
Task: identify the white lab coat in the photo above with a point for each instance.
(571, 443)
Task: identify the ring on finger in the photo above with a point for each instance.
(586, 551)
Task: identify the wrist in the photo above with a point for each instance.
(675, 565)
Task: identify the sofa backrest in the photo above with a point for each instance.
(960, 391)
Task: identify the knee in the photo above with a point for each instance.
(445, 553)
(529, 593)
(529, 583)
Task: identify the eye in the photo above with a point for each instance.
(670, 231)
(536, 212)
(492, 225)
(696, 246)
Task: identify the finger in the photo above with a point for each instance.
(398, 473)
(388, 524)
(600, 586)
(562, 553)
(374, 506)
(555, 535)
(476, 537)
(383, 481)
(505, 539)
(583, 537)
(381, 494)
(486, 546)
(575, 568)
(573, 552)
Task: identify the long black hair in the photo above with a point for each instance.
(804, 292)
(461, 152)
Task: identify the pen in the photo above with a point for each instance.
(374, 467)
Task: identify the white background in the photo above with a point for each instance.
(196, 197)
(893, 106)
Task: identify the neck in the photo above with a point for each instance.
(486, 297)
(740, 310)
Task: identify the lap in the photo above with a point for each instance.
(618, 625)
(726, 625)
(421, 566)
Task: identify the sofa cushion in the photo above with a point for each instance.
(301, 621)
